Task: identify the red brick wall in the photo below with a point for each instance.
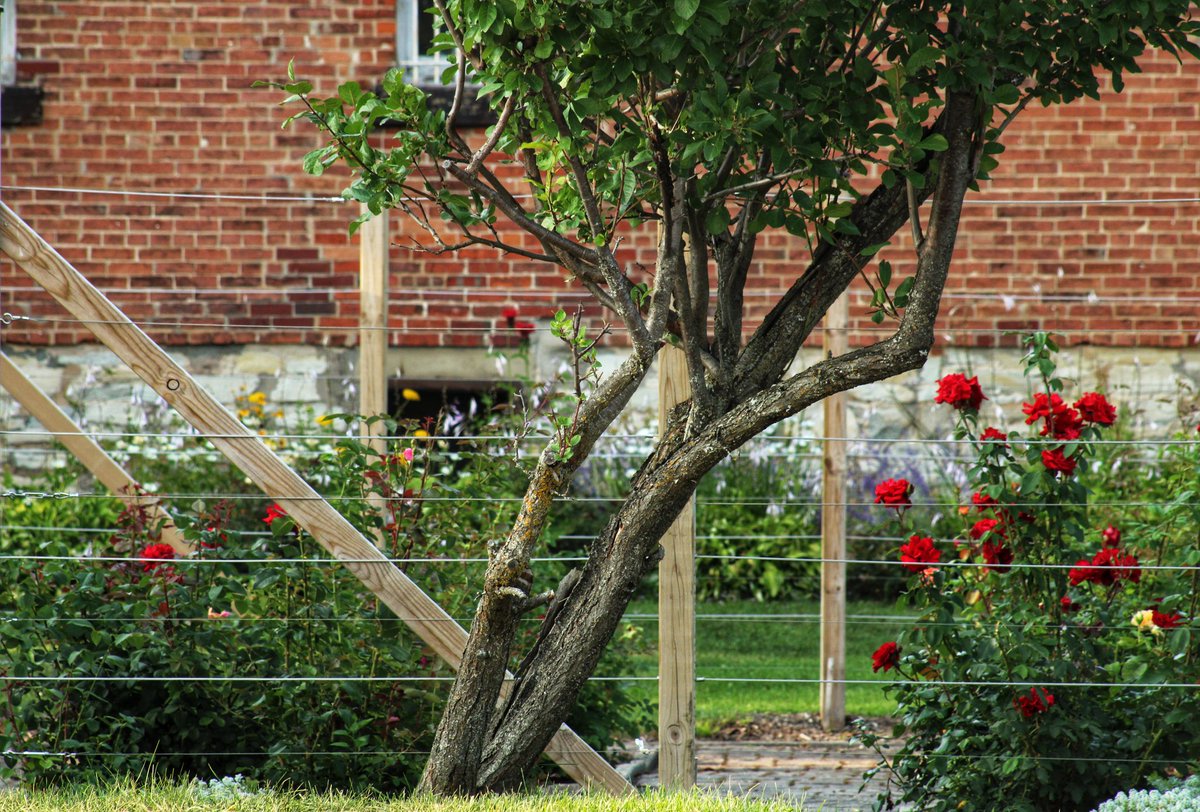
(155, 96)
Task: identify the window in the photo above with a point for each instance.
(8, 43)
(416, 27)
(18, 104)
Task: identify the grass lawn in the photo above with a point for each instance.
(129, 796)
(780, 641)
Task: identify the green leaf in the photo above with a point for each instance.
(1006, 94)
(934, 143)
(686, 9)
(718, 220)
(922, 58)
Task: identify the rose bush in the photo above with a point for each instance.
(1053, 663)
(149, 663)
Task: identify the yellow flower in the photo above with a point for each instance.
(420, 433)
(410, 394)
(325, 420)
(243, 412)
(1144, 620)
(257, 398)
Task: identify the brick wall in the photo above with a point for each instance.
(155, 96)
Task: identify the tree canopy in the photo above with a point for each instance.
(715, 121)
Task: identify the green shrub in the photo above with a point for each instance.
(1046, 663)
(258, 624)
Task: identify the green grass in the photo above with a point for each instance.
(131, 796)
(783, 643)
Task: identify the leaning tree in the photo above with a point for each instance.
(712, 121)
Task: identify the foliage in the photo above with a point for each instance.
(257, 598)
(771, 641)
(744, 513)
(1048, 656)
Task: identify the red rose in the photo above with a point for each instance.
(982, 500)
(1106, 568)
(918, 553)
(1034, 704)
(1111, 536)
(984, 526)
(1096, 409)
(1055, 461)
(1165, 621)
(997, 556)
(893, 493)
(525, 328)
(510, 314)
(1064, 425)
(158, 552)
(274, 512)
(993, 434)
(1067, 604)
(1043, 407)
(886, 657)
(959, 391)
(1059, 419)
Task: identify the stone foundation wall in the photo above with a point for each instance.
(1156, 390)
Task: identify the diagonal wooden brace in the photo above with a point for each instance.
(247, 451)
(85, 449)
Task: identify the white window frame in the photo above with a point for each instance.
(8, 42)
(419, 68)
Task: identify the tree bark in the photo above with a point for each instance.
(480, 746)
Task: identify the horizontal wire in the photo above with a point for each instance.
(61, 678)
(57, 678)
(85, 559)
(648, 438)
(186, 195)
(1132, 201)
(8, 319)
(700, 503)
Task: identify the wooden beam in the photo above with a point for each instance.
(372, 326)
(833, 533)
(676, 609)
(373, 341)
(86, 450)
(247, 451)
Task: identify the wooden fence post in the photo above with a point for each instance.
(372, 334)
(833, 533)
(86, 450)
(676, 609)
(246, 450)
(373, 338)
